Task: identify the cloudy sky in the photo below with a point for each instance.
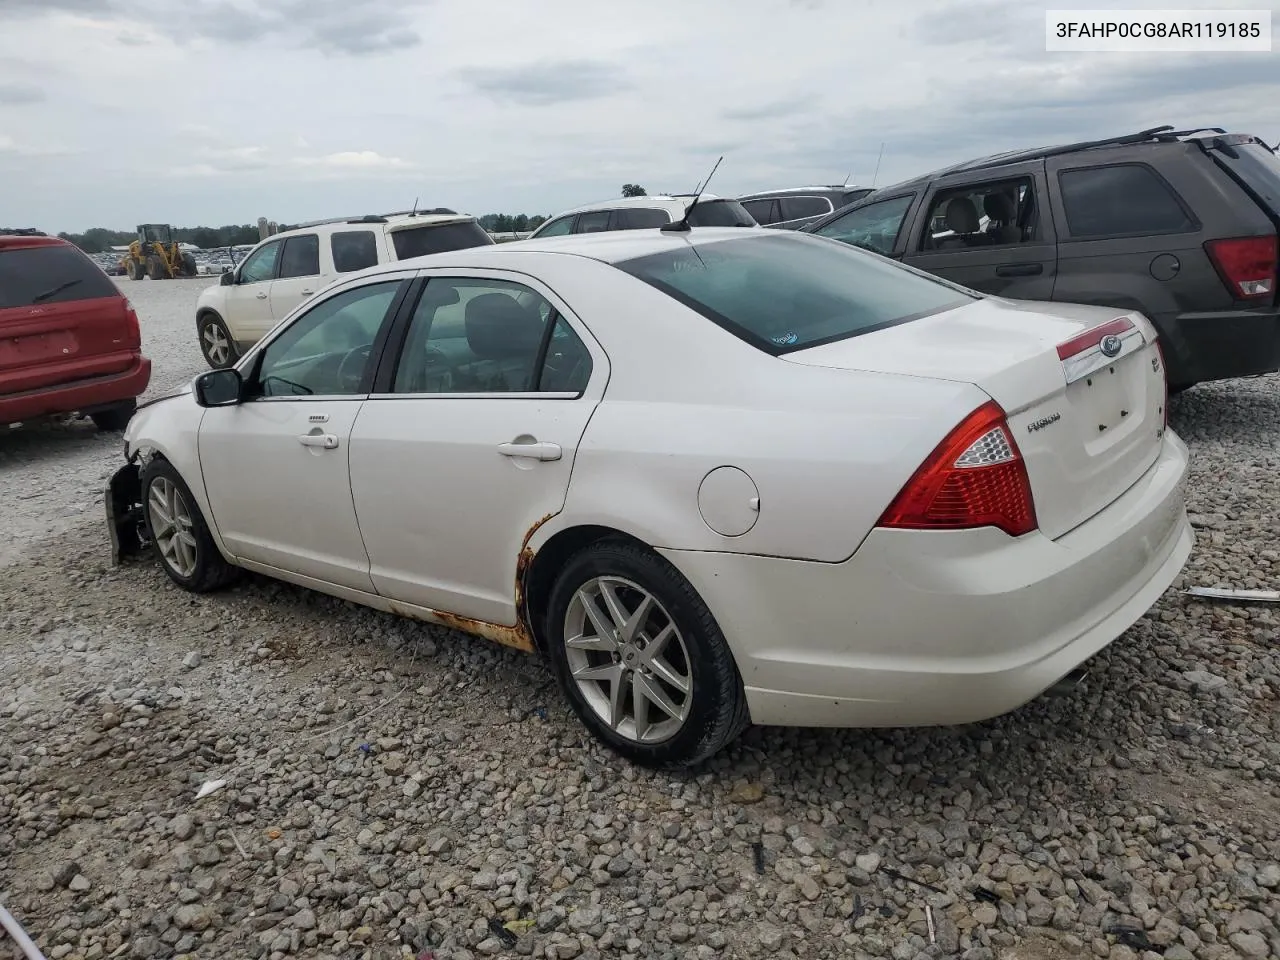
(221, 111)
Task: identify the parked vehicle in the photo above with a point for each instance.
(894, 502)
(793, 207)
(1179, 225)
(288, 267)
(69, 340)
(645, 213)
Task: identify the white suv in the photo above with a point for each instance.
(287, 268)
(640, 213)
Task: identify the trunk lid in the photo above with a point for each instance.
(1088, 424)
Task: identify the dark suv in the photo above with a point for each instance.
(1180, 225)
(793, 207)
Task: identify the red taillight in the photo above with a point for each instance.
(1247, 265)
(133, 330)
(975, 478)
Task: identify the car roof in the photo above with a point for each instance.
(23, 241)
(673, 201)
(390, 221)
(816, 188)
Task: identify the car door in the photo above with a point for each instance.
(276, 465)
(299, 276)
(991, 231)
(468, 440)
(248, 300)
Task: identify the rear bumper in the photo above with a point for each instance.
(1216, 346)
(921, 628)
(82, 396)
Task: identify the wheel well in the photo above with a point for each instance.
(550, 560)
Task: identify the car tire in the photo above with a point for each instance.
(134, 270)
(711, 710)
(215, 338)
(188, 265)
(114, 419)
(155, 269)
(178, 532)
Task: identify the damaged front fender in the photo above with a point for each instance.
(126, 525)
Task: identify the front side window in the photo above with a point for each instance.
(852, 196)
(261, 264)
(782, 291)
(557, 228)
(1123, 200)
(873, 227)
(595, 222)
(479, 335)
(353, 250)
(327, 351)
(301, 257)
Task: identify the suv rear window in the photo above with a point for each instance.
(52, 274)
(782, 292)
(427, 239)
(720, 213)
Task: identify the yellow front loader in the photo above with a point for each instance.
(156, 254)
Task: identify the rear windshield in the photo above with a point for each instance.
(782, 292)
(1258, 168)
(30, 276)
(424, 240)
(720, 213)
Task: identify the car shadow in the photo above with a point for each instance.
(53, 440)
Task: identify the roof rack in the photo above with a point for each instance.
(22, 232)
(374, 217)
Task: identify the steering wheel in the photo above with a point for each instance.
(436, 373)
(351, 369)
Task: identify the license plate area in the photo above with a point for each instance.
(1109, 402)
(36, 347)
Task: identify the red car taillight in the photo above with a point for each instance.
(133, 329)
(1247, 265)
(975, 478)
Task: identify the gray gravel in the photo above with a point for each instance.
(392, 787)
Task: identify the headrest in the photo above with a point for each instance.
(999, 206)
(962, 215)
(439, 294)
(498, 328)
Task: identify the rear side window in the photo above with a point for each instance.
(1123, 200)
(1257, 167)
(30, 276)
(782, 291)
(595, 222)
(353, 250)
(301, 257)
(797, 208)
(425, 240)
(763, 211)
(720, 213)
(639, 218)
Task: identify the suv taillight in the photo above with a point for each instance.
(975, 478)
(1247, 265)
(133, 329)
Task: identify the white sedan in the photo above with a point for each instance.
(715, 477)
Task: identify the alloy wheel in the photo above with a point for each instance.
(216, 345)
(171, 527)
(628, 659)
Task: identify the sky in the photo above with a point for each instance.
(210, 112)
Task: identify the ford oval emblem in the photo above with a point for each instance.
(1110, 345)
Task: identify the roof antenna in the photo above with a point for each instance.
(682, 225)
(414, 211)
(876, 175)
(848, 176)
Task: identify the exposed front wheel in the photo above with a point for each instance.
(179, 533)
(641, 659)
(216, 342)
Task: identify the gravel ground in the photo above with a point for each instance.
(394, 790)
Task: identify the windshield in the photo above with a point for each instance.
(438, 238)
(720, 213)
(1258, 168)
(52, 274)
(785, 292)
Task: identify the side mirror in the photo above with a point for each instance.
(228, 277)
(219, 388)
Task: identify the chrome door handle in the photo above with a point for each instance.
(531, 451)
(326, 440)
(262, 296)
(307, 293)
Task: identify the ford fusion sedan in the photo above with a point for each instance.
(716, 477)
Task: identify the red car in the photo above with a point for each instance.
(69, 340)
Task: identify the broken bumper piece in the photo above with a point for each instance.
(123, 500)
